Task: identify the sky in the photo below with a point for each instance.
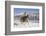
(21, 10)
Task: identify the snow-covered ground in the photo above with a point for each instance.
(18, 24)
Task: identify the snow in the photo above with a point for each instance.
(28, 24)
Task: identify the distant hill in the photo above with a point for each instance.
(31, 16)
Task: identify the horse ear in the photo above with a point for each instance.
(27, 15)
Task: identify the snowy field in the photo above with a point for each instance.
(29, 24)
